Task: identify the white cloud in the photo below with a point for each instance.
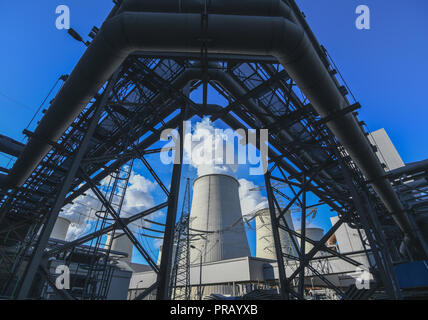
(84, 209)
(77, 229)
(204, 135)
(157, 243)
(200, 148)
(138, 195)
(251, 201)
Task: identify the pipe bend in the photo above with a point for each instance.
(154, 31)
(269, 8)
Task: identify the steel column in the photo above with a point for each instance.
(283, 282)
(303, 241)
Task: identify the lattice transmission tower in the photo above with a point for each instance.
(180, 278)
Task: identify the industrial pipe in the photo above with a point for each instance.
(409, 169)
(266, 8)
(10, 146)
(3, 179)
(279, 37)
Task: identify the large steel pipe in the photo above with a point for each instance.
(409, 169)
(10, 146)
(268, 8)
(128, 32)
(3, 179)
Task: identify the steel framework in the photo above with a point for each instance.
(180, 279)
(150, 93)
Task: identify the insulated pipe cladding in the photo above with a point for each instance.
(281, 37)
(216, 225)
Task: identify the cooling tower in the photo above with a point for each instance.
(216, 219)
(120, 243)
(314, 234)
(265, 244)
(60, 229)
(160, 256)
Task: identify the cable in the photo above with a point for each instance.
(16, 101)
(338, 71)
(41, 105)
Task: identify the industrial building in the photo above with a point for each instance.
(135, 80)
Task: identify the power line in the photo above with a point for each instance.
(16, 101)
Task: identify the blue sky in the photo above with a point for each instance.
(385, 66)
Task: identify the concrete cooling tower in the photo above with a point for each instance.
(216, 219)
(60, 229)
(265, 245)
(120, 243)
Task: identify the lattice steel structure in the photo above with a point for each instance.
(180, 277)
(148, 91)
